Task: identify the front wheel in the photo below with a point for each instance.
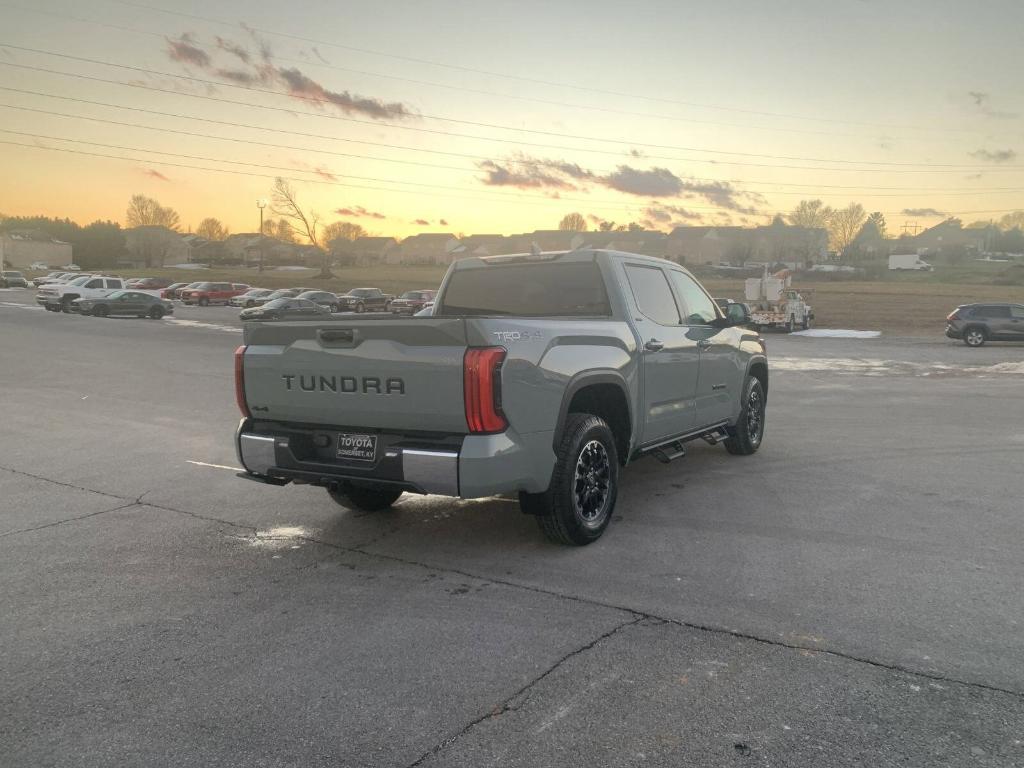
(65, 306)
(156, 312)
(335, 309)
(746, 435)
(364, 499)
(204, 302)
(578, 505)
(360, 308)
(807, 323)
(100, 311)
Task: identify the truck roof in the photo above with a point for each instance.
(580, 254)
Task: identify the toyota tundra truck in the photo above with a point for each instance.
(540, 375)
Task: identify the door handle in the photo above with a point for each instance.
(654, 345)
(703, 343)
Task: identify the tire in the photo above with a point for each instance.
(580, 501)
(156, 313)
(204, 302)
(360, 308)
(791, 325)
(364, 499)
(100, 311)
(65, 305)
(746, 436)
(806, 325)
(335, 309)
(250, 303)
(975, 336)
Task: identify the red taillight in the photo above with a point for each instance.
(952, 315)
(481, 377)
(240, 382)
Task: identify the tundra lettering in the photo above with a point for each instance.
(345, 384)
(539, 375)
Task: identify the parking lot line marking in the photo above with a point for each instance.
(215, 466)
(19, 306)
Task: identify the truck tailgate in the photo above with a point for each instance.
(371, 373)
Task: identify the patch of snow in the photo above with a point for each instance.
(197, 324)
(837, 333)
(294, 269)
(188, 266)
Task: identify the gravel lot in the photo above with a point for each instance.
(849, 596)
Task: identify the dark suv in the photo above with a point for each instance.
(977, 323)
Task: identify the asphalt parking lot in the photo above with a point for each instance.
(850, 595)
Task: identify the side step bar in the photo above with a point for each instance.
(675, 448)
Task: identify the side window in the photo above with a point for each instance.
(1017, 312)
(993, 312)
(652, 293)
(698, 309)
(94, 284)
(113, 283)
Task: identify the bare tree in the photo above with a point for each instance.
(212, 229)
(813, 214)
(1013, 220)
(573, 222)
(342, 230)
(284, 202)
(146, 212)
(844, 225)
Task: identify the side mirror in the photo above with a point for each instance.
(738, 314)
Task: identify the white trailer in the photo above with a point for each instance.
(908, 261)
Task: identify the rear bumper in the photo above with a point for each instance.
(471, 466)
(954, 333)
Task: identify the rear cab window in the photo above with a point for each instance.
(652, 293)
(526, 289)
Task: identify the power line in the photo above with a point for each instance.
(519, 78)
(330, 172)
(917, 169)
(475, 197)
(462, 89)
(375, 158)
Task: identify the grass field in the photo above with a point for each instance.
(913, 305)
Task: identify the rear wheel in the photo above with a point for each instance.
(156, 312)
(100, 310)
(791, 325)
(746, 435)
(364, 499)
(974, 336)
(578, 505)
(360, 308)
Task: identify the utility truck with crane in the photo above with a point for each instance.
(774, 304)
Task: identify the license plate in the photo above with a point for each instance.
(356, 446)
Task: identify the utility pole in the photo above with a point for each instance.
(261, 204)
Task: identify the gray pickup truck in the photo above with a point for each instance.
(538, 375)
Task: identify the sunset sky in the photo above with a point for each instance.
(477, 117)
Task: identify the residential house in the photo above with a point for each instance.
(485, 245)
(366, 251)
(21, 247)
(775, 243)
(428, 248)
(646, 242)
(948, 239)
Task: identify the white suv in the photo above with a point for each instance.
(58, 297)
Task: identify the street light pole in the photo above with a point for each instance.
(261, 204)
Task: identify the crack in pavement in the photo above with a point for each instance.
(68, 520)
(65, 485)
(507, 705)
(717, 630)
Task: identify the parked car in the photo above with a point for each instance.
(51, 277)
(171, 291)
(12, 279)
(248, 299)
(127, 302)
(975, 324)
(411, 302)
(286, 309)
(38, 266)
(365, 300)
(205, 294)
(60, 297)
(539, 377)
(148, 283)
(280, 293)
(323, 298)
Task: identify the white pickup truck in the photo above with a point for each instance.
(60, 297)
